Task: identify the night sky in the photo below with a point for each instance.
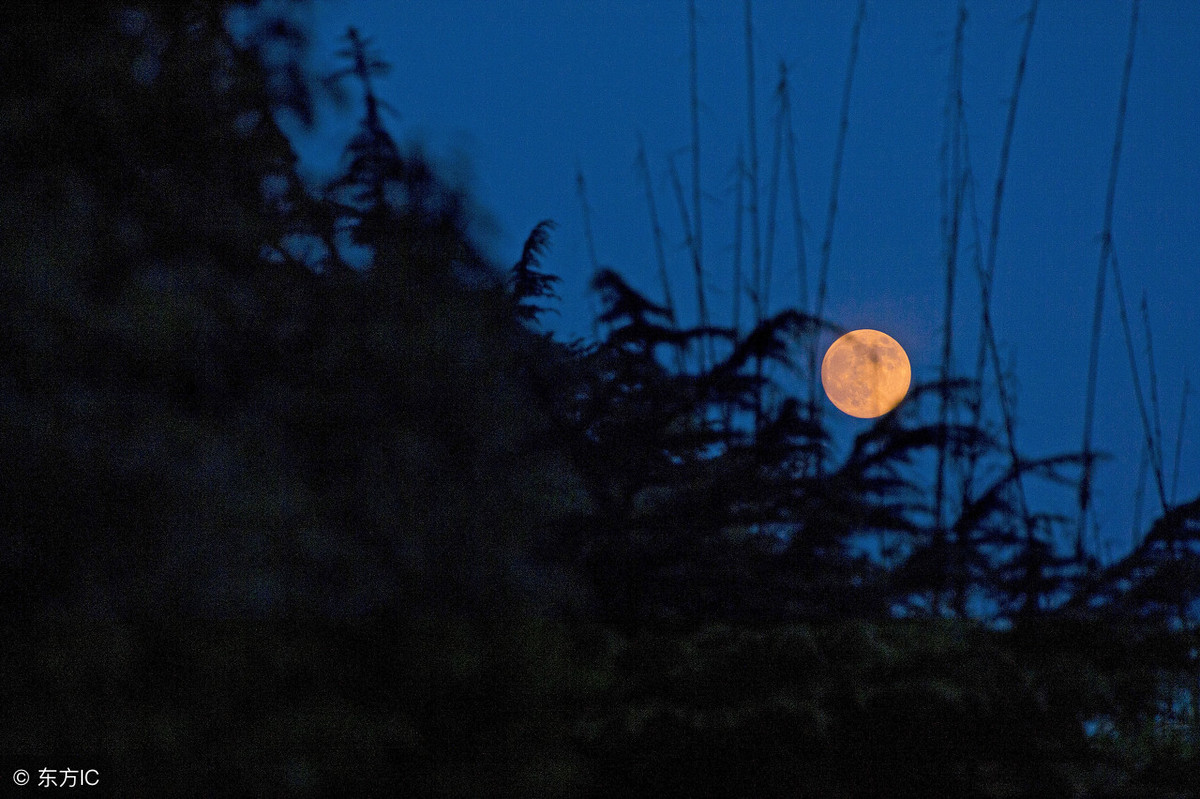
(515, 96)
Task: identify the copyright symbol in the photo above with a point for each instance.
(20, 776)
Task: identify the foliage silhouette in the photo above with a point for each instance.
(277, 517)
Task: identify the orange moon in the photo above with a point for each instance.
(865, 373)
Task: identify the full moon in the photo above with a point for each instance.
(865, 373)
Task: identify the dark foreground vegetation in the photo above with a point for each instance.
(274, 523)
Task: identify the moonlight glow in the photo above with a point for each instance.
(865, 373)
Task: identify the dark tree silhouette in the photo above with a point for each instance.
(287, 518)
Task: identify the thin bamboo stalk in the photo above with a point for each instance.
(1139, 496)
(1008, 417)
(988, 350)
(1152, 374)
(698, 232)
(755, 224)
(697, 205)
(1085, 478)
(831, 213)
(740, 176)
(660, 254)
(689, 233)
(1147, 430)
(951, 217)
(1006, 143)
(773, 192)
(643, 165)
(975, 398)
(986, 276)
(838, 154)
(1179, 441)
(752, 138)
(590, 241)
(797, 216)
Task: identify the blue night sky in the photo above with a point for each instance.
(515, 95)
